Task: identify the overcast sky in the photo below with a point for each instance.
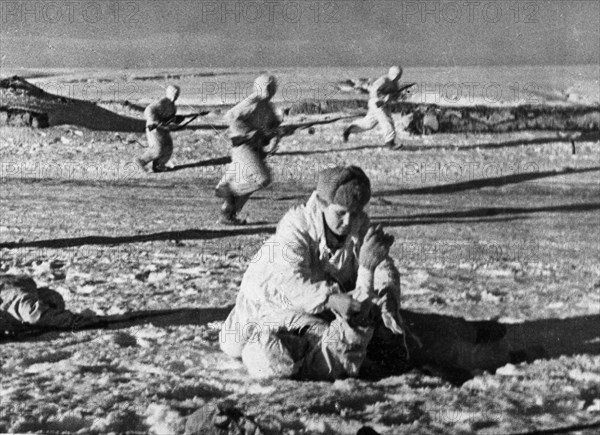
(182, 33)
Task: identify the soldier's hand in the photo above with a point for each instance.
(375, 248)
(343, 304)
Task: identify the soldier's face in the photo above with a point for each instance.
(340, 219)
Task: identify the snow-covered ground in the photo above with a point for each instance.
(500, 227)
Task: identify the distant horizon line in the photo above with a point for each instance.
(262, 67)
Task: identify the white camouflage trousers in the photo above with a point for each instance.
(381, 116)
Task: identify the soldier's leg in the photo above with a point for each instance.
(232, 336)
(224, 190)
(240, 201)
(386, 123)
(268, 354)
(153, 151)
(164, 153)
(254, 174)
(279, 343)
(364, 124)
(228, 207)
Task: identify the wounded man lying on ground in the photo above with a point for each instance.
(319, 289)
(23, 305)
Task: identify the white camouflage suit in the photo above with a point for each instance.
(252, 124)
(379, 113)
(280, 326)
(160, 143)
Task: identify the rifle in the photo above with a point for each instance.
(406, 87)
(192, 117)
(400, 92)
(174, 123)
(178, 119)
(289, 129)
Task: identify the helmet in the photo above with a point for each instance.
(395, 72)
(265, 86)
(172, 92)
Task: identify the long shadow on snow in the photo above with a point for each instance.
(484, 182)
(210, 162)
(456, 217)
(469, 185)
(455, 347)
(172, 317)
(166, 235)
(487, 213)
(452, 347)
(490, 145)
(226, 159)
(586, 137)
(329, 151)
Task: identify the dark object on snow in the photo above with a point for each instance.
(563, 429)
(24, 306)
(23, 118)
(225, 419)
(367, 430)
(24, 104)
(424, 121)
(475, 119)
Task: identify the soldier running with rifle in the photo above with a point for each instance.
(382, 93)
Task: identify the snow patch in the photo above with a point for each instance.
(162, 420)
(581, 376)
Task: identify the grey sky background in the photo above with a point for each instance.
(213, 34)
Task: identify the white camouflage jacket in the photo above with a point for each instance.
(295, 270)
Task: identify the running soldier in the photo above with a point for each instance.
(252, 125)
(383, 92)
(159, 116)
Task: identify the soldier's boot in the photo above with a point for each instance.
(142, 164)
(240, 202)
(392, 145)
(158, 167)
(233, 221)
(228, 213)
(346, 133)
